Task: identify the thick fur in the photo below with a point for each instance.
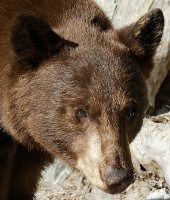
(71, 87)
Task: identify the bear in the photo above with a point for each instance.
(72, 87)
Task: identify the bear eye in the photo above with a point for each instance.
(80, 114)
(132, 112)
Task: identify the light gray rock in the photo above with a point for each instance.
(159, 195)
(98, 194)
(151, 147)
(54, 174)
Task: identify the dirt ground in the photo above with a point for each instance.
(76, 187)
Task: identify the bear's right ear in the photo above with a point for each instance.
(143, 38)
(33, 39)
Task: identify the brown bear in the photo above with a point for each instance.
(71, 87)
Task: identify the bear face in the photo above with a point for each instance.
(77, 89)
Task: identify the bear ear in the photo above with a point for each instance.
(33, 39)
(143, 38)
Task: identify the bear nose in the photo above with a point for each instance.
(117, 174)
(118, 180)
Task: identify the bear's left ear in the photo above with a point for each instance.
(143, 38)
(33, 40)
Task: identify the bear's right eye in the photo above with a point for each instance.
(81, 114)
(131, 114)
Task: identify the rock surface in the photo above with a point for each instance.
(159, 194)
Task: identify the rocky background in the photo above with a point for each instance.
(151, 148)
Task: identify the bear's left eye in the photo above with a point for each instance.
(132, 112)
(80, 114)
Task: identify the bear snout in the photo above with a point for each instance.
(117, 174)
(118, 180)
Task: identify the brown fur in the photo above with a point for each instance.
(72, 87)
